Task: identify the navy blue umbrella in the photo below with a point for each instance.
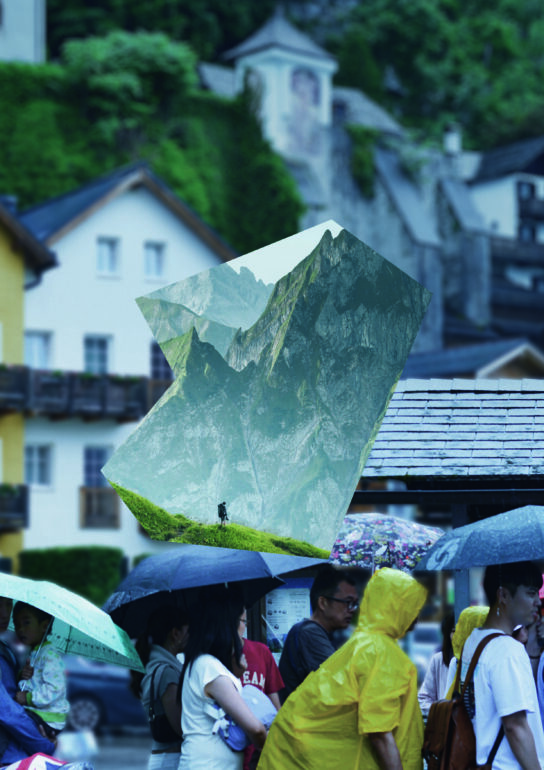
(176, 575)
(516, 535)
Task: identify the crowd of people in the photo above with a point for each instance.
(354, 704)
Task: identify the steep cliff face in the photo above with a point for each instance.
(216, 302)
(280, 428)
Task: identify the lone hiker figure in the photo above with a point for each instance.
(222, 513)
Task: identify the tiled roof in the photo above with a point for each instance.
(35, 254)
(50, 220)
(218, 79)
(459, 197)
(509, 159)
(461, 428)
(277, 32)
(468, 360)
(362, 111)
(407, 199)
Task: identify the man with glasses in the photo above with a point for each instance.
(334, 599)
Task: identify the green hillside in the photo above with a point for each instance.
(127, 97)
(161, 525)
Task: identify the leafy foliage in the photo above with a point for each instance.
(362, 158)
(90, 571)
(479, 64)
(208, 26)
(125, 97)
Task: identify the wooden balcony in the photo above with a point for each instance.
(13, 507)
(60, 394)
(509, 251)
(98, 508)
(531, 208)
(13, 388)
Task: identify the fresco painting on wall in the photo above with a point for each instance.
(284, 360)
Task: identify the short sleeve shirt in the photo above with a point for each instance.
(503, 685)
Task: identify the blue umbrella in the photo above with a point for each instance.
(174, 576)
(516, 535)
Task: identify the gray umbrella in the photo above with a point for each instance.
(516, 535)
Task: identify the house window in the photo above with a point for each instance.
(38, 465)
(38, 350)
(153, 259)
(107, 256)
(526, 191)
(160, 368)
(526, 232)
(94, 459)
(99, 503)
(96, 349)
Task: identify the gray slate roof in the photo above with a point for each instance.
(459, 198)
(218, 79)
(461, 428)
(407, 199)
(509, 159)
(277, 32)
(364, 112)
(467, 360)
(49, 219)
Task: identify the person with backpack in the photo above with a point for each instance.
(501, 696)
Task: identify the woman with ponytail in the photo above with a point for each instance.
(166, 637)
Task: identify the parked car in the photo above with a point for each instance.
(100, 696)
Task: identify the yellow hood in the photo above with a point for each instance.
(469, 619)
(368, 686)
(391, 602)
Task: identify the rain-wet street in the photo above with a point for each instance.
(127, 750)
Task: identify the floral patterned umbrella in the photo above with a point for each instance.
(374, 540)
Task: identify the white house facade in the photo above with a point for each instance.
(83, 326)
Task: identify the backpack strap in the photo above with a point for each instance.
(475, 658)
(470, 674)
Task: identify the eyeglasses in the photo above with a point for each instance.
(350, 604)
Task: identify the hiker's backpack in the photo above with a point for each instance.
(449, 742)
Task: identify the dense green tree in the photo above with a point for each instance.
(208, 26)
(126, 97)
(478, 62)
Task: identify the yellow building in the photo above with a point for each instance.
(22, 261)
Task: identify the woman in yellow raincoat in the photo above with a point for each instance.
(367, 688)
(469, 619)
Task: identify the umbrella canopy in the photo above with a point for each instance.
(516, 535)
(79, 627)
(373, 540)
(175, 574)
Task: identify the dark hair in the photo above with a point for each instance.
(159, 625)
(40, 615)
(510, 576)
(214, 628)
(327, 581)
(447, 626)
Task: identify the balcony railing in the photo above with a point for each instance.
(13, 388)
(74, 394)
(13, 506)
(531, 208)
(98, 508)
(514, 252)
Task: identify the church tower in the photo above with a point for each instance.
(22, 31)
(293, 76)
